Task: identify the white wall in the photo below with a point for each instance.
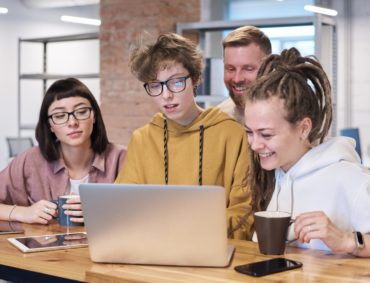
(353, 23)
(360, 78)
(22, 22)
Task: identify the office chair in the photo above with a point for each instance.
(18, 144)
(355, 134)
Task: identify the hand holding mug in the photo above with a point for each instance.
(70, 211)
(41, 212)
(317, 225)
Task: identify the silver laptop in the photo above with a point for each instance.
(156, 224)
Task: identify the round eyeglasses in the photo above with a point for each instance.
(174, 85)
(60, 118)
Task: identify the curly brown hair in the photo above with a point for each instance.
(147, 60)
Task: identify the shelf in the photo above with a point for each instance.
(56, 76)
(85, 36)
(225, 25)
(44, 76)
(27, 126)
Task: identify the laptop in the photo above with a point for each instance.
(156, 224)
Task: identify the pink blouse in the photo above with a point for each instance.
(30, 178)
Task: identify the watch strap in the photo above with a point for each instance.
(359, 241)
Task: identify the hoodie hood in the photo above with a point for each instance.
(331, 151)
(208, 118)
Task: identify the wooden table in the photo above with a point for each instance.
(75, 264)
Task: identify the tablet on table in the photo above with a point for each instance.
(49, 242)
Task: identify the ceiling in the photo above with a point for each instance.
(50, 10)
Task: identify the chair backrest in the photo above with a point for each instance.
(355, 134)
(18, 144)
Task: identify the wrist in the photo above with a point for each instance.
(11, 213)
(357, 242)
(16, 213)
(351, 243)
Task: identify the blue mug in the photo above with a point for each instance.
(64, 219)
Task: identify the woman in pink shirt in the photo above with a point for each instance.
(73, 148)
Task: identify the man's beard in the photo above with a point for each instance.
(239, 100)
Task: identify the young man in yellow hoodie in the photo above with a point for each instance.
(184, 144)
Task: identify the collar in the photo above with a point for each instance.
(98, 163)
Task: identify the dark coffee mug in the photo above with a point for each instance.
(64, 219)
(272, 228)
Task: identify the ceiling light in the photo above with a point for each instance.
(320, 10)
(3, 10)
(79, 20)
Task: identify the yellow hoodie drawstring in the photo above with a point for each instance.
(165, 152)
(201, 134)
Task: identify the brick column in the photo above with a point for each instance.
(124, 103)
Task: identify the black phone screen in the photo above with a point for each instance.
(266, 267)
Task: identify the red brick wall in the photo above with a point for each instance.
(124, 103)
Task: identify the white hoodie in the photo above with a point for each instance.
(327, 178)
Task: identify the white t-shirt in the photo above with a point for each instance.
(74, 184)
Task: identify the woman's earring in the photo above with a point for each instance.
(195, 91)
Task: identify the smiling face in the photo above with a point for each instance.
(181, 106)
(278, 143)
(74, 133)
(241, 64)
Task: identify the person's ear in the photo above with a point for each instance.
(195, 90)
(195, 87)
(305, 127)
(51, 127)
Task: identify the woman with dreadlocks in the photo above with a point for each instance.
(294, 168)
(185, 144)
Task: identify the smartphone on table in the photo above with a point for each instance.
(267, 267)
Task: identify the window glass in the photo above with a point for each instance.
(266, 9)
(301, 37)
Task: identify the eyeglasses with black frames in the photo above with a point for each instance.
(174, 85)
(60, 118)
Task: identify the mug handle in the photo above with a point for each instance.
(293, 240)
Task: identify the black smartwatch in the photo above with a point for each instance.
(359, 240)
